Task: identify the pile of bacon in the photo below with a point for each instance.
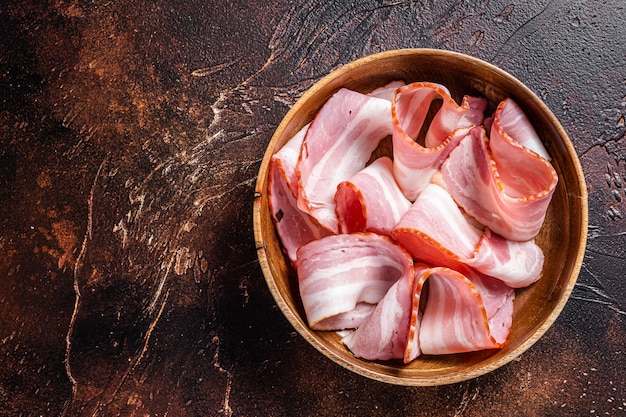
(460, 207)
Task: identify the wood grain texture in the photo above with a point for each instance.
(131, 135)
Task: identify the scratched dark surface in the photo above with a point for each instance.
(130, 137)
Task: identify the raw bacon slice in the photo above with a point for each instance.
(415, 164)
(518, 264)
(511, 194)
(294, 227)
(384, 334)
(338, 272)
(435, 230)
(371, 200)
(455, 319)
(348, 320)
(491, 295)
(511, 123)
(413, 350)
(469, 311)
(497, 298)
(337, 145)
(288, 156)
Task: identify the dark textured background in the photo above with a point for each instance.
(130, 137)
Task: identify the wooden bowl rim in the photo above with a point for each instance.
(305, 332)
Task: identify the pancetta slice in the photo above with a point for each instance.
(455, 319)
(338, 144)
(294, 227)
(510, 194)
(414, 163)
(338, 272)
(491, 295)
(371, 200)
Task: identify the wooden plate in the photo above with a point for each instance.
(562, 238)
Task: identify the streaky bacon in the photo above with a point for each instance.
(518, 264)
(454, 319)
(511, 122)
(338, 272)
(470, 311)
(347, 320)
(384, 334)
(435, 230)
(414, 164)
(337, 145)
(294, 227)
(489, 295)
(465, 222)
(371, 200)
(509, 194)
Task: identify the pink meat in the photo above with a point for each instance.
(455, 319)
(510, 195)
(434, 229)
(384, 334)
(337, 145)
(371, 200)
(413, 350)
(510, 120)
(415, 163)
(462, 308)
(288, 156)
(338, 272)
(497, 298)
(294, 227)
(518, 264)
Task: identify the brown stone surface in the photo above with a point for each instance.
(130, 137)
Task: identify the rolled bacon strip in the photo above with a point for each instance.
(371, 200)
(337, 145)
(511, 123)
(500, 183)
(455, 319)
(414, 163)
(338, 272)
